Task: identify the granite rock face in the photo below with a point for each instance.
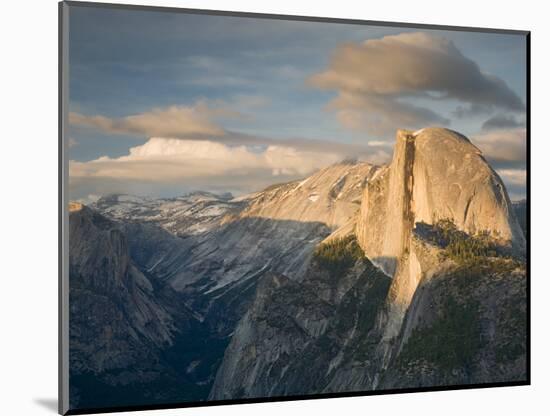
(466, 326)
(435, 174)
(331, 196)
(302, 337)
(100, 262)
(125, 327)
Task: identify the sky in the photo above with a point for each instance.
(162, 104)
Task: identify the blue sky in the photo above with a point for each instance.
(285, 97)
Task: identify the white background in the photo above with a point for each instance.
(28, 207)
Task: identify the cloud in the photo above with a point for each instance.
(506, 151)
(72, 142)
(88, 199)
(173, 121)
(515, 181)
(376, 81)
(502, 121)
(198, 164)
(513, 176)
(380, 143)
(380, 115)
(346, 150)
(504, 148)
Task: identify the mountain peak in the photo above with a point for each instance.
(435, 174)
(331, 196)
(434, 133)
(75, 206)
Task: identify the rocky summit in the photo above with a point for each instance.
(359, 277)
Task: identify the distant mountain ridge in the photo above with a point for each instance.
(241, 235)
(189, 214)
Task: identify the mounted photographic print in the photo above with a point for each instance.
(262, 207)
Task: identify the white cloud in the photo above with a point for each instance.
(513, 176)
(379, 143)
(502, 121)
(175, 158)
(502, 146)
(506, 151)
(199, 163)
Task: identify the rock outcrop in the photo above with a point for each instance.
(465, 325)
(435, 174)
(99, 261)
(128, 332)
(331, 196)
(302, 337)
